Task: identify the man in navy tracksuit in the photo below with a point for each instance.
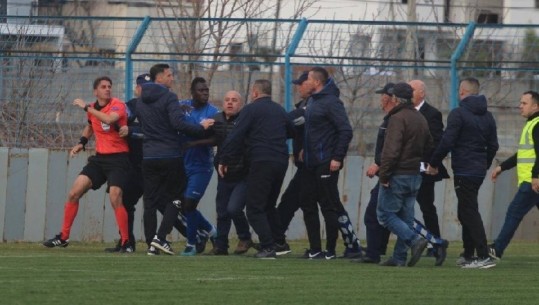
(135, 186)
(327, 135)
(471, 137)
(261, 129)
(290, 200)
(162, 165)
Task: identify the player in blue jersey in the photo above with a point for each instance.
(198, 162)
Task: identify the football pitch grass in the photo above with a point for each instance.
(83, 274)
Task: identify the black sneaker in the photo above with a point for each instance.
(441, 252)
(56, 242)
(352, 253)
(314, 254)
(391, 263)
(162, 245)
(282, 249)
(417, 249)
(366, 260)
(266, 254)
(153, 251)
(330, 255)
(127, 248)
(115, 248)
(218, 251)
(492, 252)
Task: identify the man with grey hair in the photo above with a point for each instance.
(407, 139)
(425, 196)
(261, 131)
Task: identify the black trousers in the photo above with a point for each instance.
(131, 194)
(377, 235)
(264, 183)
(473, 230)
(425, 199)
(164, 182)
(319, 186)
(290, 202)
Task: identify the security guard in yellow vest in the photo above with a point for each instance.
(527, 165)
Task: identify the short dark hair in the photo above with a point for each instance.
(474, 84)
(263, 86)
(196, 81)
(320, 74)
(101, 78)
(156, 69)
(534, 95)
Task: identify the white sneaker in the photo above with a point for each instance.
(484, 263)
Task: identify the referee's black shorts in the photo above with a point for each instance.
(111, 168)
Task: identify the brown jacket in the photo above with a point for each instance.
(406, 143)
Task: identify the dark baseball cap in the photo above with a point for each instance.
(143, 79)
(402, 90)
(303, 77)
(385, 89)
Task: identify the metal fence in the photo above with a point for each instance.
(49, 61)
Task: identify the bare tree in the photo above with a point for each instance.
(211, 41)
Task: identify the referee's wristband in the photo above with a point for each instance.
(83, 141)
(86, 110)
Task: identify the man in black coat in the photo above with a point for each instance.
(260, 132)
(425, 196)
(471, 138)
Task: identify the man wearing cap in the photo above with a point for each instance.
(425, 195)
(290, 200)
(471, 137)
(407, 139)
(377, 235)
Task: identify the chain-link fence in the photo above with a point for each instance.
(49, 61)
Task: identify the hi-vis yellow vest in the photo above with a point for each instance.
(526, 152)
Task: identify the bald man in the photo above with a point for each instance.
(425, 196)
(231, 188)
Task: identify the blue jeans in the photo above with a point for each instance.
(525, 199)
(395, 211)
(230, 202)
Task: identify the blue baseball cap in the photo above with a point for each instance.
(143, 79)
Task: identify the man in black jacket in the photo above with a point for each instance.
(425, 195)
(232, 187)
(261, 129)
(471, 138)
(134, 189)
(162, 166)
(327, 135)
(290, 200)
(407, 139)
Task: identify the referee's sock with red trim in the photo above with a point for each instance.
(70, 212)
(123, 223)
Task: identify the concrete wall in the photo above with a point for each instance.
(34, 182)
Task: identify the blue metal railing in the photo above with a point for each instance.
(454, 99)
(128, 62)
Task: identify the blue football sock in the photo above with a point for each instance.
(348, 234)
(420, 229)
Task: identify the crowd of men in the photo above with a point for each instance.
(162, 149)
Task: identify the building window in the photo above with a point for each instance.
(487, 17)
(536, 3)
(404, 1)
